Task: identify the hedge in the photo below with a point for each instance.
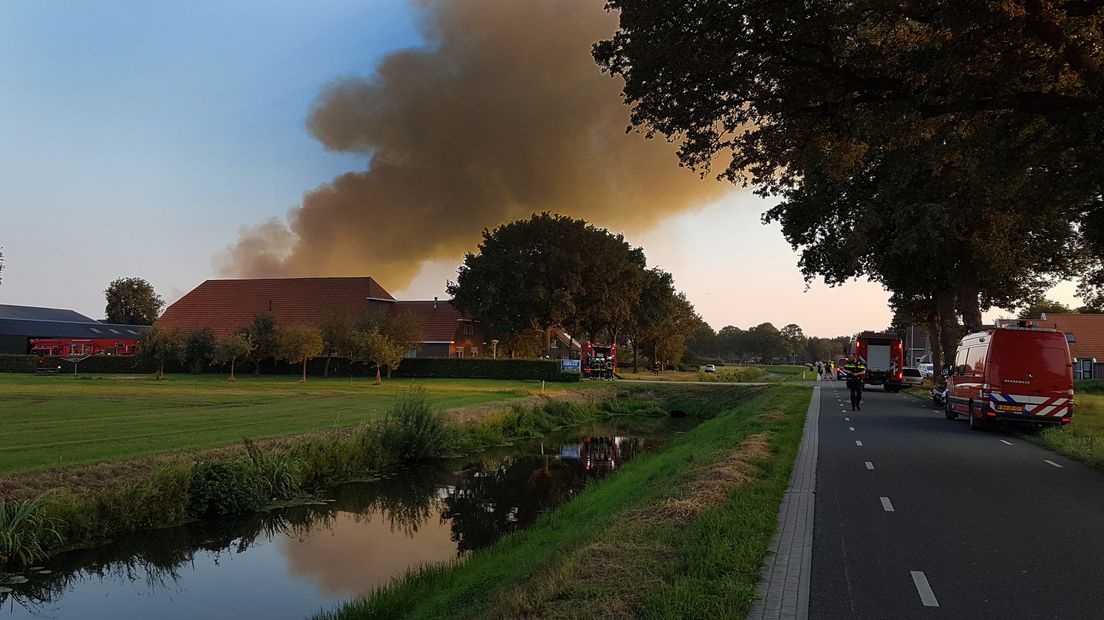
(418, 367)
(482, 368)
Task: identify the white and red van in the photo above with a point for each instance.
(1016, 372)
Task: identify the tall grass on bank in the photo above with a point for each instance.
(26, 531)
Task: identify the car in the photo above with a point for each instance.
(912, 376)
(710, 368)
(926, 370)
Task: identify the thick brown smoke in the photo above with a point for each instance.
(502, 114)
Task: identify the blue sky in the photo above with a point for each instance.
(137, 137)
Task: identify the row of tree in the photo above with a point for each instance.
(950, 151)
(376, 338)
(551, 272)
(765, 343)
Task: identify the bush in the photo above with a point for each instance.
(413, 430)
(1089, 386)
(223, 488)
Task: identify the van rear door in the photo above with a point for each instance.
(1032, 369)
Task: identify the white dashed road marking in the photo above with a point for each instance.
(858, 443)
(850, 428)
(927, 597)
(886, 504)
(869, 465)
(1052, 463)
(847, 419)
(1005, 442)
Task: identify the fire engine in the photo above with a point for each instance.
(598, 360)
(81, 347)
(884, 357)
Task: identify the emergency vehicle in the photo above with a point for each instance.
(884, 357)
(1015, 372)
(597, 360)
(80, 347)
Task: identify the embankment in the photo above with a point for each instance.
(677, 533)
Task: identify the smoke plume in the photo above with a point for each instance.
(503, 113)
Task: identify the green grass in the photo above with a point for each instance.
(612, 552)
(729, 374)
(1083, 438)
(61, 421)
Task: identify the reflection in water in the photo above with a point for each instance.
(292, 562)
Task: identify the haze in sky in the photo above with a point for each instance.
(138, 139)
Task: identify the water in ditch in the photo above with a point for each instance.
(294, 562)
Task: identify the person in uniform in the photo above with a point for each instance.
(856, 374)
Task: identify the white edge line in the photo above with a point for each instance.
(1006, 442)
(927, 597)
(886, 504)
(1052, 463)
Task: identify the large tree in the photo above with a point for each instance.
(132, 301)
(547, 272)
(944, 149)
(232, 348)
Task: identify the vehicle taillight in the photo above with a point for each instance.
(1065, 420)
(991, 414)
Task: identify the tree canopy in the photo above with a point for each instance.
(950, 151)
(132, 301)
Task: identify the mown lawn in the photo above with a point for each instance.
(57, 421)
(680, 533)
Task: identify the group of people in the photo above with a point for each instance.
(826, 371)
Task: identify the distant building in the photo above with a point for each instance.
(54, 331)
(225, 306)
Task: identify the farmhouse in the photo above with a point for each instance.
(225, 306)
(54, 331)
(1085, 335)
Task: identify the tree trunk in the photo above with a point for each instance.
(936, 343)
(948, 324)
(326, 370)
(160, 370)
(548, 341)
(232, 368)
(304, 380)
(257, 370)
(968, 292)
(379, 380)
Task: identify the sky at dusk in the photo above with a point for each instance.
(137, 138)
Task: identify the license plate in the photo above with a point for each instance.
(1010, 408)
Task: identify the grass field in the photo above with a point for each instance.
(1083, 438)
(679, 533)
(728, 374)
(59, 421)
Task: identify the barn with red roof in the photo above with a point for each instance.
(225, 306)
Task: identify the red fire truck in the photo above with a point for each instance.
(1014, 373)
(884, 356)
(598, 361)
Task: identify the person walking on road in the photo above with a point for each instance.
(856, 374)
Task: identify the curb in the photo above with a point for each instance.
(783, 591)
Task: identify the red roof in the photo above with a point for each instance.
(439, 319)
(224, 306)
(1087, 330)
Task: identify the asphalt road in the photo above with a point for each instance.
(926, 519)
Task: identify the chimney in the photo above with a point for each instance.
(434, 303)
